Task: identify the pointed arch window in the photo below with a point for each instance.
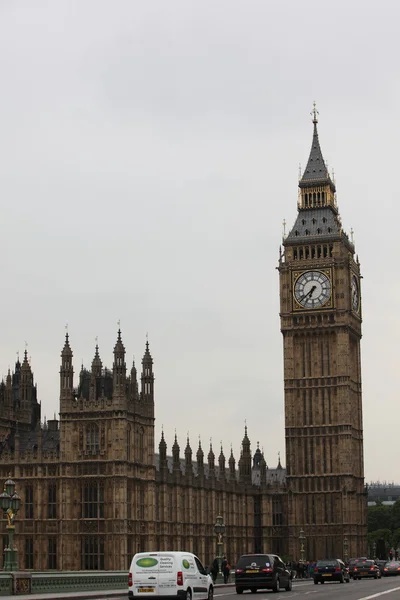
(139, 444)
(92, 438)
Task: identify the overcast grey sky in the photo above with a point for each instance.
(149, 152)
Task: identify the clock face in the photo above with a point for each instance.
(355, 294)
(312, 289)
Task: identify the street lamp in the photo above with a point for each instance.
(10, 503)
(302, 539)
(219, 529)
(345, 548)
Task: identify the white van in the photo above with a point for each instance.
(169, 574)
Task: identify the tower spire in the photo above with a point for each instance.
(316, 172)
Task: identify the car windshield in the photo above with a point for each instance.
(392, 564)
(365, 563)
(327, 563)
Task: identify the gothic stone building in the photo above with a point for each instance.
(93, 490)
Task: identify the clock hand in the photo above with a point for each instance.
(310, 293)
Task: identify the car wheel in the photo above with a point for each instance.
(288, 587)
(188, 594)
(315, 582)
(239, 590)
(210, 593)
(276, 585)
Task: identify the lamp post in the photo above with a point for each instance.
(10, 503)
(374, 549)
(398, 553)
(345, 548)
(219, 529)
(302, 539)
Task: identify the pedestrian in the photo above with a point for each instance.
(214, 570)
(226, 569)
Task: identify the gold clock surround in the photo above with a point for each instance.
(296, 275)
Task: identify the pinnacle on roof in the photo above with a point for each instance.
(97, 360)
(119, 346)
(66, 351)
(316, 172)
(147, 358)
(188, 450)
(162, 446)
(211, 455)
(221, 454)
(232, 459)
(200, 453)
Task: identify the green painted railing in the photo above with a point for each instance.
(69, 581)
(5, 584)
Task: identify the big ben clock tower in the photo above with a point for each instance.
(320, 311)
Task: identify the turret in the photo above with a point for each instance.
(245, 460)
(66, 370)
(162, 448)
(176, 465)
(232, 467)
(200, 461)
(221, 462)
(134, 386)
(97, 365)
(147, 379)
(119, 367)
(188, 459)
(211, 462)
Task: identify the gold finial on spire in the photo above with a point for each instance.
(352, 235)
(314, 113)
(17, 355)
(119, 323)
(333, 176)
(66, 327)
(284, 229)
(96, 339)
(299, 171)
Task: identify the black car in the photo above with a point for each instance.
(331, 570)
(352, 562)
(261, 572)
(391, 568)
(366, 568)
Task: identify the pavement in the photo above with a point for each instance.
(85, 595)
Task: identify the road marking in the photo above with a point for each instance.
(380, 594)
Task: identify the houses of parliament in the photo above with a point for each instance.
(95, 488)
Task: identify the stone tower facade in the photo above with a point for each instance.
(320, 312)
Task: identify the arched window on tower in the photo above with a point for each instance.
(92, 438)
